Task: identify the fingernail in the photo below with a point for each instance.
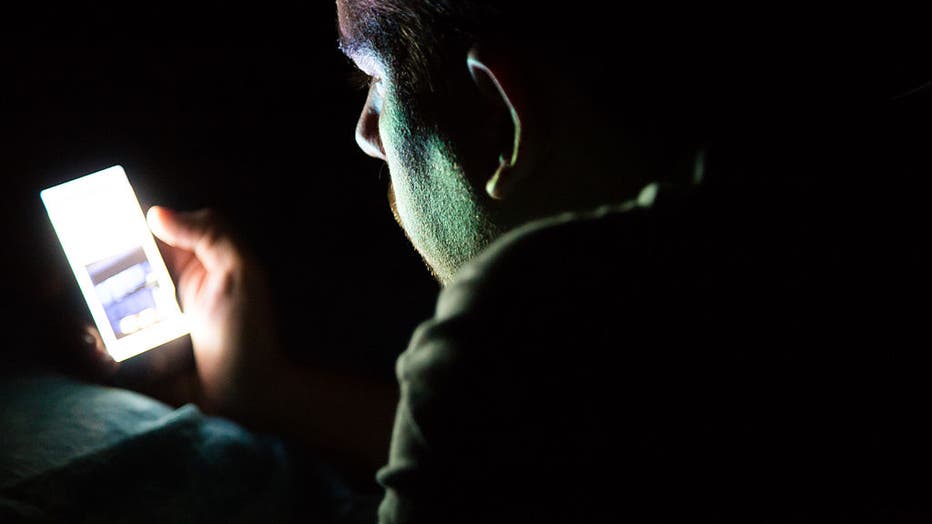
(155, 217)
(151, 212)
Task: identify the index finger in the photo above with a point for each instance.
(200, 232)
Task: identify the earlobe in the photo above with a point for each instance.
(490, 83)
(497, 185)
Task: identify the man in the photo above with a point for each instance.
(647, 311)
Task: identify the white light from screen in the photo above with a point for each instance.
(98, 220)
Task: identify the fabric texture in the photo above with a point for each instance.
(75, 452)
(690, 360)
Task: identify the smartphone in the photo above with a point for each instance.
(116, 262)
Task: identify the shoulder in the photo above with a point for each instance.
(529, 346)
(599, 341)
(546, 258)
(550, 291)
(584, 283)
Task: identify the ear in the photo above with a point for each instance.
(493, 83)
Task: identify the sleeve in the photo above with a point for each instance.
(449, 445)
(489, 409)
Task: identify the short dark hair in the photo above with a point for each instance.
(661, 52)
(626, 54)
(417, 37)
(700, 73)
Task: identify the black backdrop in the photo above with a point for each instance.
(244, 108)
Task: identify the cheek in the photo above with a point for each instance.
(423, 175)
(396, 141)
(412, 174)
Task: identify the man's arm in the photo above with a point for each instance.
(242, 371)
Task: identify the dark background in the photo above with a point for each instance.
(244, 108)
(247, 108)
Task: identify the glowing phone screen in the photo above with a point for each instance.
(116, 262)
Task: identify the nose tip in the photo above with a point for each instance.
(369, 143)
(367, 132)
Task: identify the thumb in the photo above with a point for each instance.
(200, 232)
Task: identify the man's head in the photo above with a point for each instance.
(477, 110)
(413, 119)
(491, 113)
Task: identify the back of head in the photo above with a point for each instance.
(752, 82)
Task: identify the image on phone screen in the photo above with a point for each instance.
(116, 262)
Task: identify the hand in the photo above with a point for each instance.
(225, 296)
(161, 374)
(244, 375)
(93, 360)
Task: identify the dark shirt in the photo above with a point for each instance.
(703, 357)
